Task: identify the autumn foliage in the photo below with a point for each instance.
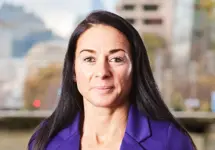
(42, 86)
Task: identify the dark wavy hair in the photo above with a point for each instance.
(144, 92)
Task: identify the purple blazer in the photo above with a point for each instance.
(141, 134)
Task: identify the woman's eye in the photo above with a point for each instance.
(89, 59)
(117, 59)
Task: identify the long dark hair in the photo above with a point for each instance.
(144, 92)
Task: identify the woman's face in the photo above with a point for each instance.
(103, 67)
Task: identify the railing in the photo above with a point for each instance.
(46, 113)
(195, 119)
(25, 113)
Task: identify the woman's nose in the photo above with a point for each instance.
(102, 69)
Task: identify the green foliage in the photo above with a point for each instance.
(212, 45)
(177, 102)
(205, 106)
(153, 42)
(207, 5)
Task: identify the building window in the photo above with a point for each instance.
(197, 33)
(152, 21)
(130, 20)
(128, 7)
(197, 6)
(150, 7)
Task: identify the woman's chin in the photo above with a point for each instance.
(103, 101)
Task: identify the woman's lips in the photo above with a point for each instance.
(103, 89)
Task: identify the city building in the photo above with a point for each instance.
(94, 5)
(182, 30)
(203, 27)
(20, 21)
(22, 46)
(20, 30)
(149, 16)
(97, 5)
(174, 20)
(11, 83)
(6, 38)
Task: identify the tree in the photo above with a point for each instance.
(208, 5)
(153, 42)
(39, 86)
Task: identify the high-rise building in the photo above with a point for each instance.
(94, 5)
(97, 5)
(149, 16)
(19, 20)
(20, 30)
(182, 32)
(174, 20)
(6, 39)
(202, 28)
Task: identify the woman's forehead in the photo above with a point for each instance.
(102, 37)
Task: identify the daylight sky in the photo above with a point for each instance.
(58, 15)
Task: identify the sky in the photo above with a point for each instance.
(59, 15)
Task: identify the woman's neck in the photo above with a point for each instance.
(102, 124)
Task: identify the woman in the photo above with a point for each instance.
(109, 98)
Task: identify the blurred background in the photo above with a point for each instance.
(179, 36)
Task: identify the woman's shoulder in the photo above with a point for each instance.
(56, 141)
(33, 137)
(165, 128)
(159, 125)
(169, 135)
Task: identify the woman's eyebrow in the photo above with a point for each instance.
(112, 51)
(116, 50)
(88, 50)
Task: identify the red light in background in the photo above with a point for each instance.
(37, 103)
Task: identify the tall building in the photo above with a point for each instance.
(202, 26)
(6, 38)
(20, 30)
(12, 81)
(111, 5)
(22, 46)
(149, 16)
(182, 32)
(97, 5)
(94, 5)
(19, 20)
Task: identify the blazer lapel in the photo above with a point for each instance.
(73, 143)
(128, 143)
(137, 130)
(71, 136)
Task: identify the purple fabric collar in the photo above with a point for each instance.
(137, 127)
